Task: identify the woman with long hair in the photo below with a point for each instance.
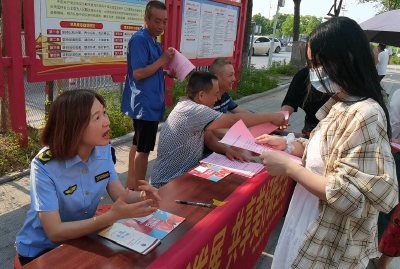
(349, 174)
(70, 174)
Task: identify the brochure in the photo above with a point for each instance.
(130, 238)
(210, 172)
(142, 234)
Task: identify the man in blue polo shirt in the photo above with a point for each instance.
(143, 97)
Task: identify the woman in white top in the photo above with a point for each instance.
(349, 174)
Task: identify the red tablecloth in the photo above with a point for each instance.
(235, 234)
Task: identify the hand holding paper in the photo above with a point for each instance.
(239, 136)
(180, 64)
(267, 128)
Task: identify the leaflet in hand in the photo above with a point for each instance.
(266, 128)
(181, 65)
(130, 238)
(244, 169)
(136, 233)
(210, 172)
(239, 136)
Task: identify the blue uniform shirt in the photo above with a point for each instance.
(225, 104)
(72, 187)
(144, 99)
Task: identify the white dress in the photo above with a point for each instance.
(303, 210)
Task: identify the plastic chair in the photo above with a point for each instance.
(17, 264)
(101, 209)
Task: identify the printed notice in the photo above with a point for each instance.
(208, 29)
(190, 29)
(85, 31)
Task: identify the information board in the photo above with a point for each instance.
(209, 29)
(85, 31)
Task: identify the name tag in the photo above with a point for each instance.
(102, 176)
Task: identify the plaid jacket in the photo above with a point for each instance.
(362, 181)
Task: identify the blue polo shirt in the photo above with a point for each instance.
(71, 186)
(225, 104)
(144, 99)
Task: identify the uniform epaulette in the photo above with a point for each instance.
(45, 157)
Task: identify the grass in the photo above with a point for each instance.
(15, 158)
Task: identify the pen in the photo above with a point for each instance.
(192, 203)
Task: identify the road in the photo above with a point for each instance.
(261, 60)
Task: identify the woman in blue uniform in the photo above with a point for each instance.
(70, 174)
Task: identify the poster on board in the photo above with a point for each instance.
(208, 29)
(85, 31)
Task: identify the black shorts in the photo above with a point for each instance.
(145, 135)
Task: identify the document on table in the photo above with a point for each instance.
(130, 238)
(239, 136)
(244, 169)
(181, 65)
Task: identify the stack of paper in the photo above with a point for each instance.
(244, 169)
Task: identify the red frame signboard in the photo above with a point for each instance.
(82, 38)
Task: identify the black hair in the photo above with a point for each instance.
(382, 46)
(154, 4)
(218, 64)
(200, 81)
(342, 48)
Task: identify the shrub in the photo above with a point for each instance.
(282, 68)
(254, 81)
(14, 157)
(395, 60)
(120, 124)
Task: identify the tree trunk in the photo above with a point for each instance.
(247, 33)
(296, 23)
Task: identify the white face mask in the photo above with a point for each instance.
(314, 79)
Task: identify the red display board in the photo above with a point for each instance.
(64, 40)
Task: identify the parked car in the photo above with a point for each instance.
(262, 45)
(283, 42)
(277, 44)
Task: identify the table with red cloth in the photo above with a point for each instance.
(232, 235)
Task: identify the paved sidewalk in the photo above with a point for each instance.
(15, 199)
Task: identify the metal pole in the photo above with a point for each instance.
(271, 50)
(253, 25)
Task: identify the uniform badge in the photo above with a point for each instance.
(70, 190)
(45, 157)
(102, 176)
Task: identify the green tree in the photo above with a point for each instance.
(287, 26)
(384, 5)
(312, 24)
(259, 19)
(281, 19)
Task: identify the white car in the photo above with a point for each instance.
(277, 45)
(262, 45)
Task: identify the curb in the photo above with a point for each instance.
(259, 95)
(128, 137)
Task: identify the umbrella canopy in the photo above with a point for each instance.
(384, 28)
